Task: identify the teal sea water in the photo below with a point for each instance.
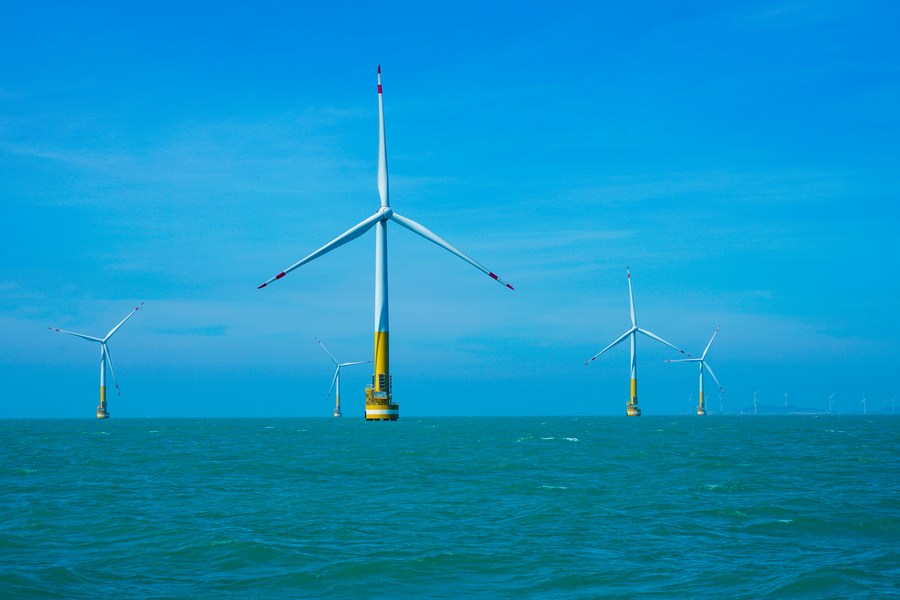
(557, 507)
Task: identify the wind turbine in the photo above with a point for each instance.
(701, 407)
(863, 402)
(632, 409)
(379, 400)
(755, 409)
(830, 399)
(336, 380)
(105, 357)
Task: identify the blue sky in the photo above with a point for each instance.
(742, 158)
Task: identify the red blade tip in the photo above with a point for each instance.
(262, 286)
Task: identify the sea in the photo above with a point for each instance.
(797, 506)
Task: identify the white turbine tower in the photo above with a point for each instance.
(830, 402)
(755, 408)
(701, 407)
(379, 401)
(632, 409)
(105, 357)
(336, 380)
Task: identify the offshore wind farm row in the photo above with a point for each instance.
(380, 404)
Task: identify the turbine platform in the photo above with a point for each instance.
(632, 409)
(701, 411)
(102, 413)
(379, 406)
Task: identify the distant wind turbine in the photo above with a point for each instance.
(830, 402)
(105, 357)
(863, 402)
(336, 380)
(755, 410)
(379, 399)
(632, 409)
(701, 363)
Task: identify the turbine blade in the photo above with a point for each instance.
(433, 237)
(122, 322)
(111, 368)
(382, 150)
(659, 339)
(89, 338)
(359, 362)
(333, 380)
(351, 234)
(631, 297)
(710, 341)
(676, 360)
(622, 337)
(709, 368)
(326, 351)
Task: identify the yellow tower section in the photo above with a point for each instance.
(379, 406)
(632, 409)
(102, 413)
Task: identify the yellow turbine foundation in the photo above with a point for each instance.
(102, 413)
(379, 406)
(631, 409)
(701, 408)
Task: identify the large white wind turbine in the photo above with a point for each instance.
(105, 357)
(379, 404)
(701, 407)
(336, 380)
(632, 409)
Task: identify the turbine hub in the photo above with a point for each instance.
(386, 212)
